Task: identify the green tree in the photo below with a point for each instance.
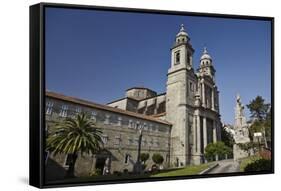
(248, 146)
(218, 148)
(157, 158)
(261, 114)
(227, 138)
(267, 125)
(257, 126)
(258, 108)
(72, 136)
(144, 157)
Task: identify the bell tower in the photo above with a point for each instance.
(181, 87)
(181, 51)
(206, 65)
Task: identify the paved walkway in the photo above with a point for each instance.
(225, 166)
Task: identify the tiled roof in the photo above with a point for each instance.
(103, 107)
(141, 88)
(122, 99)
(159, 114)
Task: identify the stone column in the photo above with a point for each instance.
(203, 95)
(156, 108)
(205, 132)
(213, 99)
(195, 134)
(214, 131)
(198, 135)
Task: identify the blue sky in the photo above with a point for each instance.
(97, 55)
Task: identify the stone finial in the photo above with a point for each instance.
(205, 50)
(238, 98)
(182, 32)
(182, 27)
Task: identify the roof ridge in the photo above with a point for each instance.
(103, 107)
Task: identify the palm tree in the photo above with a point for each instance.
(73, 136)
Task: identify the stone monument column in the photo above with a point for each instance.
(240, 128)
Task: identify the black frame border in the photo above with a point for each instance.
(37, 92)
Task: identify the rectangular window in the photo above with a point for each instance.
(136, 141)
(94, 116)
(167, 157)
(188, 58)
(137, 126)
(191, 86)
(156, 144)
(150, 127)
(119, 122)
(117, 140)
(130, 125)
(145, 126)
(107, 119)
(143, 142)
(127, 159)
(156, 128)
(150, 143)
(177, 57)
(167, 144)
(49, 108)
(63, 111)
(130, 141)
(104, 139)
(78, 110)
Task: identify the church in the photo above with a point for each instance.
(177, 124)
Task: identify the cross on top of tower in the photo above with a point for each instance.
(205, 50)
(182, 27)
(182, 31)
(205, 54)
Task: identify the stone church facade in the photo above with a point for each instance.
(178, 124)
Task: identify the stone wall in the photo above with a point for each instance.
(120, 136)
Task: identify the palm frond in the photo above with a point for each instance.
(75, 135)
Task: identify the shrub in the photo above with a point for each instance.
(248, 160)
(157, 158)
(258, 165)
(144, 157)
(218, 148)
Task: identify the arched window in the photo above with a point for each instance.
(177, 59)
(188, 58)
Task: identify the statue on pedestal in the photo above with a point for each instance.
(241, 131)
(240, 125)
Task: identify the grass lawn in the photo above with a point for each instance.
(190, 170)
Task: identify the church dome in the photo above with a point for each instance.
(182, 32)
(205, 55)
